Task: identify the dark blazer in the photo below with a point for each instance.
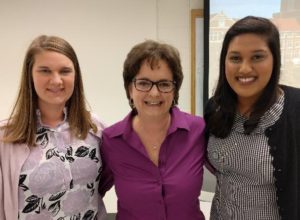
(284, 140)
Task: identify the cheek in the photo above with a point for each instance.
(37, 84)
(136, 96)
(230, 68)
(230, 72)
(227, 75)
(269, 70)
(71, 82)
(267, 78)
(170, 98)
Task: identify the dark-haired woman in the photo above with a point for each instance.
(253, 126)
(156, 153)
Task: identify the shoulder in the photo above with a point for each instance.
(114, 129)
(112, 137)
(18, 151)
(99, 124)
(292, 98)
(191, 118)
(289, 119)
(186, 119)
(3, 123)
(119, 127)
(9, 150)
(291, 92)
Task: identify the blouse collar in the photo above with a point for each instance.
(268, 119)
(62, 124)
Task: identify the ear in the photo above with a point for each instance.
(130, 88)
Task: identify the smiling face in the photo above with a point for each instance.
(153, 103)
(248, 67)
(53, 78)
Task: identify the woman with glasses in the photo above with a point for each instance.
(156, 153)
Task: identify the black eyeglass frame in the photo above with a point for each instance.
(156, 83)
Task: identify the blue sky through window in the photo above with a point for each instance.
(239, 9)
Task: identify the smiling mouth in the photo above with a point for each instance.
(152, 103)
(55, 90)
(246, 80)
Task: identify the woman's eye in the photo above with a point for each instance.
(144, 83)
(165, 84)
(234, 59)
(65, 72)
(258, 57)
(44, 71)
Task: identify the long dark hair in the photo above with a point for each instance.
(221, 109)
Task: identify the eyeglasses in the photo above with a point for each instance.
(145, 85)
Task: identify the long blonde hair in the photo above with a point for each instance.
(21, 125)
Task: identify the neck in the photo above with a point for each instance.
(151, 124)
(245, 106)
(244, 110)
(51, 116)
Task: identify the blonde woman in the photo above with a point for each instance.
(50, 163)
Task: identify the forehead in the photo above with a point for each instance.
(248, 41)
(48, 57)
(160, 68)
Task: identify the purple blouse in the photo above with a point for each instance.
(147, 192)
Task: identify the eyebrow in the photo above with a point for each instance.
(260, 51)
(42, 67)
(254, 51)
(67, 67)
(46, 67)
(160, 80)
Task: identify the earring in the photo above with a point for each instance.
(131, 103)
(173, 102)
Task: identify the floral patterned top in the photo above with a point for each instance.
(60, 178)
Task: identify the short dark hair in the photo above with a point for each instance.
(152, 52)
(224, 98)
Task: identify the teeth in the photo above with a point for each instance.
(246, 79)
(152, 103)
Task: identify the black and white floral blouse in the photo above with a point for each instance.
(60, 178)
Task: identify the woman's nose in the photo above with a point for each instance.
(154, 90)
(245, 67)
(56, 78)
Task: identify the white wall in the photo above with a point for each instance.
(102, 32)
